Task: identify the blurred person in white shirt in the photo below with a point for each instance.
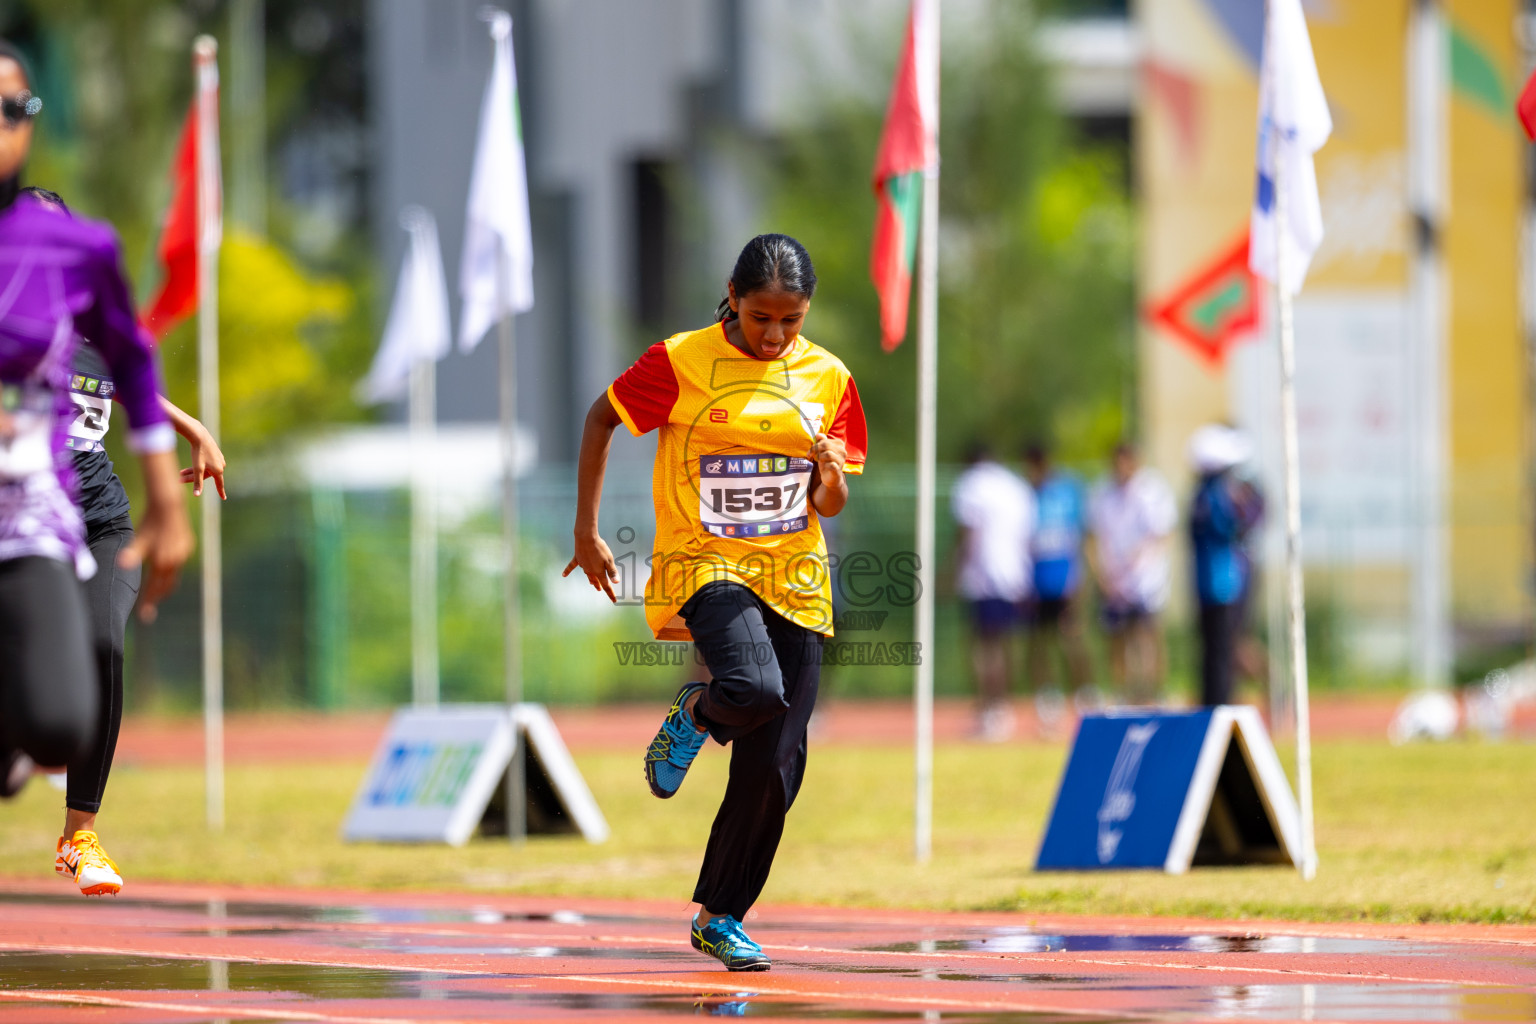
(1131, 519)
(995, 511)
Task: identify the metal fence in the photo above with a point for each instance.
(317, 604)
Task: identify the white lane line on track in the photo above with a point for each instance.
(205, 1011)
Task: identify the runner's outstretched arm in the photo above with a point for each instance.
(207, 459)
(592, 553)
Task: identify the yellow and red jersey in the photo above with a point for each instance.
(733, 470)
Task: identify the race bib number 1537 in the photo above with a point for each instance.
(753, 495)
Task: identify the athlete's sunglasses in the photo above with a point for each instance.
(21, 107)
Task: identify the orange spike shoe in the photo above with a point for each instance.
(93, 871)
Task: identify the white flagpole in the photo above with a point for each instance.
(498, 242)
(927, 487)
(1296, 603)
(1427, 156)
(517, 790)
(423, 416)
(205, 61)
(1296, 597)
(422, 405)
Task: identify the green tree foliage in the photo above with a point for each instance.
(1036, 307)
(274, 322)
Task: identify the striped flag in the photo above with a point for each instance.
(496, 273)
(909, 146)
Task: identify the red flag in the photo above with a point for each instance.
(908, 147)
(177, 298)
(1527, 108)
(1215, 308)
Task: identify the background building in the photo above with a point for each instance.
(1413, 370)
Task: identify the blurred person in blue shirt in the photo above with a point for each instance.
(1056, 548)
(1222, 515)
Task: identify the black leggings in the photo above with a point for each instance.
(109, 596)
(765, 672)
(48, 690)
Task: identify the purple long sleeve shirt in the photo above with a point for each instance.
(60, 278)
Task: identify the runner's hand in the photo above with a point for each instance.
(830, 455)
(594, 559)
(207, 462)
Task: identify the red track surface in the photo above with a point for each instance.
(179, 954)
(352, 736)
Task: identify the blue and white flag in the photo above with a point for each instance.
(417, 329)
(1293, 124)
(496, 274)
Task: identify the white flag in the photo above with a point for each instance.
(417, 328)
(497, 222)
(1293, 124)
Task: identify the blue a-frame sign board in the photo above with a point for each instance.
(1148, 788)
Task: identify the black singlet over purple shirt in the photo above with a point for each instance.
(100, 493)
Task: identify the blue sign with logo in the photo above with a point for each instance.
(1140, 783)
(1124, 790)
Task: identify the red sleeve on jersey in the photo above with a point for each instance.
(645, 393)
(849, 425)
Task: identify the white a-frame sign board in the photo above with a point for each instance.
(437, 775)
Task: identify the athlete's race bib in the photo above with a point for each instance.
(92, 397)
(26, 430)
(753, 495)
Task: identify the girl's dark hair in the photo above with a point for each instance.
(770, 261)
(12, 51)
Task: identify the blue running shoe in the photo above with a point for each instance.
(724, 940)
(676, 744)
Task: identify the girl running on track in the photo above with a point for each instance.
(110, 593)
(759, 430)
(61, 278)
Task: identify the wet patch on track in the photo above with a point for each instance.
(164, 958)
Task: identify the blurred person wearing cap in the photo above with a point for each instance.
(995, 512)
(1051, 613)
(1131, 518)
(1225, 509)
